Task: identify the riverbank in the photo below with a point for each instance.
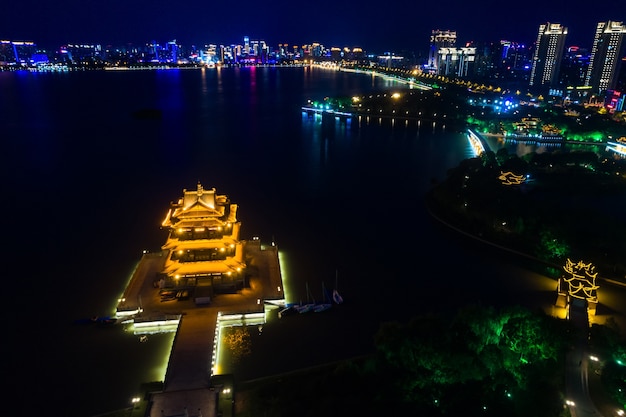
(563, 206)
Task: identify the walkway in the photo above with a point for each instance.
(187, 387)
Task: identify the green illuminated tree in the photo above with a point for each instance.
(550, 247)
(610, 344)
(481, 358)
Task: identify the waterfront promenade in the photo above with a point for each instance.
(188, 388)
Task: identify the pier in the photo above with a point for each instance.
(191, 387)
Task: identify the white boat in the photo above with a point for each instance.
(322, 307)
(327, 304)
(287, 311)
(305, 308)
(337, 298)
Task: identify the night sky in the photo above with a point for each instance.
(394, 26)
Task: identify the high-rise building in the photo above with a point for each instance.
(7, 54)
(620, 85)
(246, 45)
(605, 56)
(574, 66)
(456, 62)
(549, 47)
(439, 39)
(16, 52)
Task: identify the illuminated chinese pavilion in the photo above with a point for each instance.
(203, 247)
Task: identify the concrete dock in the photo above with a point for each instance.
(189, 389)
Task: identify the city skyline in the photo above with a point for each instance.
(407, 27)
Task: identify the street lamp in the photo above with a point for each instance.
(133, 402)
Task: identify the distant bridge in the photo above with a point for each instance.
(327, 113)
(478, 143)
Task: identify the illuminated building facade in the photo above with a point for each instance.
(317, 50)
(155, 52)
(439, 39)
(246, 45)
(336, 53)
(81, 53)
(203, 246)
(7, 54)
(456, 62)
(620, 85)
(390, 60)
(574, 67)
(614, 101)
(507, 63)
(605, 56)
(16, 52)
(549, 49)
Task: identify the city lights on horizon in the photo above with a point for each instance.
(245, 41)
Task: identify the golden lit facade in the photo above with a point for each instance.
(203, 246)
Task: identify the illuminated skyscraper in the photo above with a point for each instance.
(574, 66)
(605, 56)
(439, 39)
(549, 48)
(7, 54)
(246, 45)
(16, 52)
(456, 62)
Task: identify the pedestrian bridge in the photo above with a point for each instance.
(478, 143)
(327, 113)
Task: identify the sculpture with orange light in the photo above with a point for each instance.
(508, 178)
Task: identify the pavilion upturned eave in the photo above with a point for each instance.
(205, 267)
(198, 244)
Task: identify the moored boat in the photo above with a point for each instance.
(103, 320)
(287, 311)
(326, 304)
(310, 304)
(337, 298)
(106, 321)
(304, 308)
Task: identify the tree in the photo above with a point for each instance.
(481, 362)
(550, 247)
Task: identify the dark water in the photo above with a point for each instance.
(86, 186)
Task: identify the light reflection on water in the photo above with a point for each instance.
(339, 197)
(522, 148)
